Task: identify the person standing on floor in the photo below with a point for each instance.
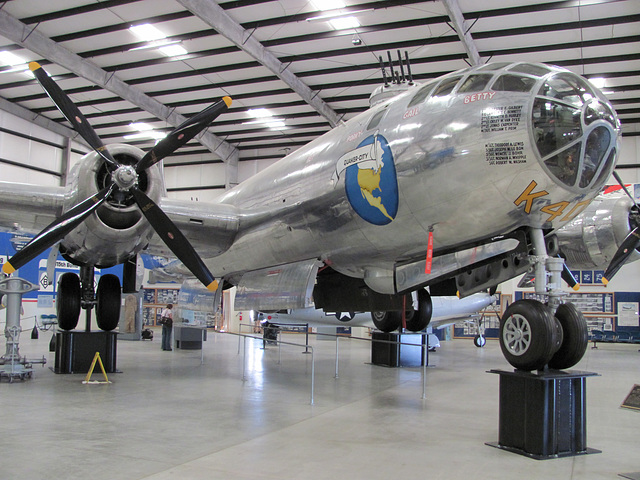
(166, 319)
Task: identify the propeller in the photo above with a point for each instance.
(124, 178)
(629, 244)
(568, 277)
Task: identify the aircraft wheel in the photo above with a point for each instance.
(387, 321)
(421, 317)
(528, 335)
(575, 337)
(68, 301)
(108, 302)
(479, 341)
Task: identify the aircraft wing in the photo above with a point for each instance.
(29, 208)
(210, 227)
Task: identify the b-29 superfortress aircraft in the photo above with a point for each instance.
(458, 184)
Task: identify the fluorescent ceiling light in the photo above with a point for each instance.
(141, 126)
(275, 125)
(342, 23)
(9, 58)
(155, 44)
(173, 50)
(328, 4)
(147, 32)
(150, 134)
(259, 112)
(329, 16)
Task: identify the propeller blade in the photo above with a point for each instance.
(72, 114)
(568, 277)
(56, 230)
(626, 249)
(182, 134)
(619, 180)
(174, 239)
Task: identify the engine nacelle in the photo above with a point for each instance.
(590, 240)
(117, 230)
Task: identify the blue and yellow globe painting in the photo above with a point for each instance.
(372, 186)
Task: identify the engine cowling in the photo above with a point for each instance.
(591, 239)
(117, 230)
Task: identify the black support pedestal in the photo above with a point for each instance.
(543, 415)
(75, 351)
(398, 349)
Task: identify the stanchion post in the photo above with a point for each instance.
(244, 359)
(313, 373)
(337, 339)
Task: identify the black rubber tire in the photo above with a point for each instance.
(575, 337)
(387, 321)
(421, 317)
(108, 302)
(528, 335)
(479, 341)
(68, 301)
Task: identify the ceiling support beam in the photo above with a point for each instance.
(29, 38)
(211, 13)
(461, 28)
(41, 121)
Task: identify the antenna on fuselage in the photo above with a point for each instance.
(406, 56)
(404, 79)
(393, 73)
(384, 73)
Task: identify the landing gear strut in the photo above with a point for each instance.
(534, 335)
(76, 292)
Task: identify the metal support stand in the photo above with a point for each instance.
(12, 364)
(543, 415)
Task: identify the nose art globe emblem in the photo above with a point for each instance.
(371, 184)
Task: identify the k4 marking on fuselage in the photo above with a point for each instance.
(554, 210)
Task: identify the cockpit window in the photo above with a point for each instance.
(423, 93)
(493, 66)
(598, 110)
(513, 83)
(565, 165)
(475, 83)
(555, 125)
(446, 87)
(529, 69)
(596, 148)
(375, 120)
(567, 89)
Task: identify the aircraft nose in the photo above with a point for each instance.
(575, 130)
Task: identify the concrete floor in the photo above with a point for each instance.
(166, 416)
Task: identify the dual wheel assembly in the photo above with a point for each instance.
(533, 336)
(69, 301)
(415, 320)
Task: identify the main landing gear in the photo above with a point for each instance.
(534, 335)
(417, 315)
(76, 292)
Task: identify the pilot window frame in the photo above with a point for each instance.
(422, 94)
(446, 86)
(474, 86)
(530, 69)
(499, 84)
(376, 118)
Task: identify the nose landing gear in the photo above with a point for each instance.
(534, 335)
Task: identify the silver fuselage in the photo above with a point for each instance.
(468, 165)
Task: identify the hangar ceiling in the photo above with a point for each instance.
(290, 57)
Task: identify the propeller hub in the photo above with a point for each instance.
(125, 177)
